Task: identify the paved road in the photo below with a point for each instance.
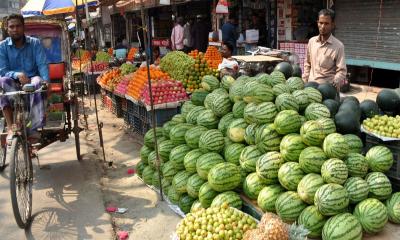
(67, 198)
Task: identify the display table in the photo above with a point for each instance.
(257, 58)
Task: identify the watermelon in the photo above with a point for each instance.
(332, 105)
(328, 125)
(331, 199)
(208, 119)
(236, 130)
(327, 90)
(238, 109)
(301, 99)
(296, 71)
(357, 188)
(354, 142)
(167, 128)
(173, 195)
(335, 146)
(372, 214)
(263, 78)
(248, 158)
(209, 83)
(252, 185)
(379, 159)
(308, 186)
(316, 111)
(291, 147)
(311, 159)
(164, 149)
(289, 206)
(268, 139)
(231, 198)
(286, 101)
(232, 153)
(285, 68)
(185, 203)
(343, 226)
(312, 220)
(236, 91)
(249, 112)
(186, 107)
(224, 123)
(180, 180)
(379, 185)
(196, 206)
(166, 184)
(314, 96)
(356, 164)
(198, 97)
(144, 153)
(250, 134)
(227, 81)
(192, 115)
(147, 174)
(177, 156)
(276, 78)
(152, 160)
(206, 195)
(267, 197)
(156, 180)
(177, 133)
(312, 133)
(221, 105)
(287, 121)
(139, 168)
(178, 118)
(212, 141)
(280, 88)
(193, 185)
(224, 177)
(169, 171)
(192, 136)
(257, 93)
(268, 165)
(295, 83)
(190, 160)
(205, 162)
(149, 136)
(289, 175)
(369, 108)
(393, 207)
(334, 171)
(312, 84)
(265, 113)
(388, 100)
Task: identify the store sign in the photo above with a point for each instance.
(165, 2)
(161, 42)
(222, 7)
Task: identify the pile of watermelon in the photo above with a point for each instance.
(272, 139)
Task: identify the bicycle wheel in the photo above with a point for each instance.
(3, 151)
(21, 180)
(77, 141)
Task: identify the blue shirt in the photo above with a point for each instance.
(229, 33)
(29, 59)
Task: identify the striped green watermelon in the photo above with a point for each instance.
(334, 171)
(236, 90)
(276, 78)
(301, 99)
(180, 180)
(308, 186)
(149, 136)
(250, 134)
(260, 129)
(379, 185)
(206, 195)
(210, 83)
(257, 93)
(289, 206)
(165, 184)
(208, 119)
(268, 139)
(252, 185)
(221, 105)
(263, 78)
(268, 165)
(314, 96)
(152, 160)
(236, 130)
(356, 164)
(139, 168)
(289, 175)
(192, 115)
(379, 159)
(331, 199)
(328, 125)
(372, 214)
(212, 140)
(190, 160)
(295, 83)
(343, 226)
(231, 198)
(312, 220)
(287, 121)
(224, 177)
(357, 188)
(286, 101)
(193, 185)
(311, 159)
(312, 133)
(354, 142)
(167, 128)
(177, 156)
(169, 171)
(209, 100)
(227, 81)
(206, 161)
(393, 207)
(144, 153)
(178, 118)
(196, 206)
(186, 107)
(164, 149)
(249, 112)
(198, 97)
(185, 203)
(192, 136)
(232, 153)
(224, 123)
(156, 180)
(265, 113)
(280, 88)
(227, 142)
(238, 109)
(316, 111)
(335, 146)
(173, 195)
(147, 174)
(248, 158)
(267, 197)
(177, 133)
(291, 146)
(220, 91)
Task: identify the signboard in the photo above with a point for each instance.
(161, 42)
(222, 7)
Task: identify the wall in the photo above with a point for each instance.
(10, 6)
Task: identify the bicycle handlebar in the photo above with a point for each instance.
(43, 88)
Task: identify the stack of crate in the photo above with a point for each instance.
(55, 99)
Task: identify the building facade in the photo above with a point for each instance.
(10, 6)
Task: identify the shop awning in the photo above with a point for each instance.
(52, 7)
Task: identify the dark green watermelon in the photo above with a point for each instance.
(332, 105)
(351, 107)
(296, 71)
(285, 68)
(347, 122)
(369, 108)
(350, 98)
(388, 100)
(327, 90)
(311, 84)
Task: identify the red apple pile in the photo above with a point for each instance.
(164, 91)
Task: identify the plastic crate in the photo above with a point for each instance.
(117, 105)
(132, 108)
(162, 116)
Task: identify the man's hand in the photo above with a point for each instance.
(23, 79)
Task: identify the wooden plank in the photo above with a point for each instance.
(250, 207)
(257, 58)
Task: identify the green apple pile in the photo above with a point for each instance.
(384, 125)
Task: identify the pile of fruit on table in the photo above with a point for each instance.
(127, 68)
(131, 54)
(96, 66)
(110, 78)
(213, 57)
(164, 91)
(176, 64)
(122, 86)
(272, 138)
(385, 125)
(197, 71)
(102, 57)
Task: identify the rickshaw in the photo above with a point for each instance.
(62, 115)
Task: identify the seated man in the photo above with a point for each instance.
(23, 60)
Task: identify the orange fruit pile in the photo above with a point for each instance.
(213, 57)
(108, 76)
(110, 51)
(139, 80)
(131, 54)
(194, 53)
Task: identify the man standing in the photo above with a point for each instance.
(177, 35)
(325, 61)
(22, 60)
(199, 33)
(188, 41)
(229, 33)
